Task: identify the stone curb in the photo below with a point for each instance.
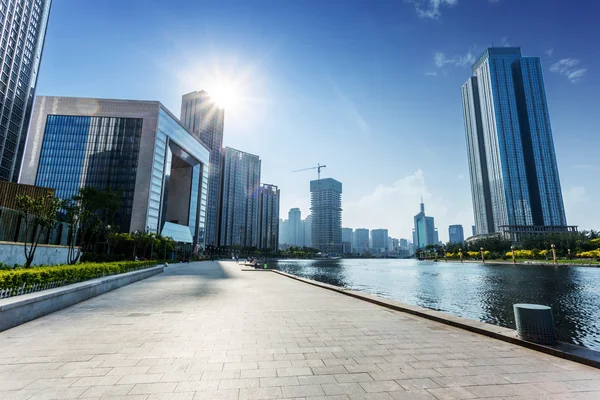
(567, 351)
(17, 310)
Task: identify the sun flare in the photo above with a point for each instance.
(225, 94)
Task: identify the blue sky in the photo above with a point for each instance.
(371, 88)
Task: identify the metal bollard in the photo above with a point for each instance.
(535, 323)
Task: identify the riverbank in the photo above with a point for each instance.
(537, 263)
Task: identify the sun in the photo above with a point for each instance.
(226, 94)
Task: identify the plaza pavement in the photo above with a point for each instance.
(208, 331)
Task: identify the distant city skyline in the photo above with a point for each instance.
(346, 87)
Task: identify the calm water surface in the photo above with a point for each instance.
(477, 291)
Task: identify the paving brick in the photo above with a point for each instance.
(254, 336)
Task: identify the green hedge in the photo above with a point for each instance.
(39, 278)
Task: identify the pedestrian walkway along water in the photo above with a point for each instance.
(210, 331)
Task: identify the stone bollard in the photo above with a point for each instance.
(535, 323)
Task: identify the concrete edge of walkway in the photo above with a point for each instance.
(567, 351)
(17, 310)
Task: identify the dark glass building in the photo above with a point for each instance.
(268, 217)
(22, 33)
(239, 198)
(201, 116)
(514, 175)
(135, 147)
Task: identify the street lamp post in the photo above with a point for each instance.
(512, 248)
(553, 252)
(482, 256)
(444, 251)
(460, 254)
(152, 246)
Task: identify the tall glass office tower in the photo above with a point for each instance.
(201, 116)
(514, 176)
(240, 185)
(22, 33)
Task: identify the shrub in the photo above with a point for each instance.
(60, 275)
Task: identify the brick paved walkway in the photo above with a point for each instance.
(204, 331)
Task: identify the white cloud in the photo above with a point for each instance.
(569, 67)
(431, 73)
(440, 59)
(504, 41)
(431, 8)
(461, 176)
(549, 52)
(393, 207)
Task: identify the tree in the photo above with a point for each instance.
(39, 214)
(88, 213)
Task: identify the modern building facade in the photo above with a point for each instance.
(201, 116)
(136, 147)
(326, 211)
(283, 231)
(512, 163)
(347, 236)
(424, 232)
(268, 217)
(456, 234)
(295, 231)
(379, 241)
(361, 240)
(240, 184)
(308, 231)
(22, 31)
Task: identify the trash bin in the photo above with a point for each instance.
(535, 323)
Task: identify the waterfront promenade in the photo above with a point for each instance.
(210, 331)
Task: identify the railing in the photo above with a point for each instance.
(6, 293)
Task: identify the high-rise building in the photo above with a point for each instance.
(456, 234)
(268, 217)
(395, 245)
(347, 235)
(474, 230)
(379, 241)
(240, 173)
(361, 240)
(23, 31)
(201, 116)
(514, 175)
(308, 231)
(295, 235)
(283, 232)
(136, 147)
(424, 232)
(326, 209)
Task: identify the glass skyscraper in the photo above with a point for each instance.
(22, 33)
(135, 147)
(268, 217)
(456, 234)
(424, 232)
(239, 198)
(512, 163)
(201, 116)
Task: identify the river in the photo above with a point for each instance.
(483, 292)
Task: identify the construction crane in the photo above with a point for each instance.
(318, 168)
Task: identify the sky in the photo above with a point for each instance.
(369, 88)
